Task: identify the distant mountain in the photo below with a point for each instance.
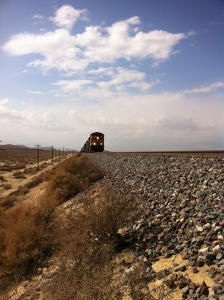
(15, 147)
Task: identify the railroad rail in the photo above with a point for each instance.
(207, 153)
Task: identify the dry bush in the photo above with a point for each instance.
(34, 181)
(21, 176)
(24, 237)
(7, 186)
(16, 173)
(18, 166)
(84, 169)
(6, 169)
(30, 171)
(21, 231)
(70, 177)
(7, 202)
(43, 165)
(64, 186)
(87, 243)
(49, 174)
(23, 190)
(2, 178)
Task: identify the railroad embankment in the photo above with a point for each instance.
(152, 228)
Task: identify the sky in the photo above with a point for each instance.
(149, 74)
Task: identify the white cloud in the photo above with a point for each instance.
(6, 113)
(133, 78)
(143, 85)
(41, 17)
(68, 86)
(101, 71)
(121, 79)
(191, 33)
(206, 89)
(35, 92)
(176, 123)
(130, 121)
(4, 101)
(121, 42)
(70, 53)
(67, 16)
(72, 113)
(46, 121)
(22, 72)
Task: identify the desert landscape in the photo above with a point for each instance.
(18, 164)
(132, 247)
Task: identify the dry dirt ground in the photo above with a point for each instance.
(29, 172)
(36, 287)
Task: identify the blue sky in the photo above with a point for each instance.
(146, 73)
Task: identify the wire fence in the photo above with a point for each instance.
(25, 154)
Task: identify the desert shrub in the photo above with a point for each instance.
(49, 174)
(26, 237)
(88, 242)
(18, 166)
(64, 186)
(7, 186)
(21, 176)
(21, 231)
(84, 169)
(6, 169)
(16, 173)
(23, 190)
(35, 181)
(70, 177)
(30, 171)
(7, 202)
(2, 178)
(43, 165)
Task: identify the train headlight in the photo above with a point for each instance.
(94, 143)
(97, 138)
(101, 143)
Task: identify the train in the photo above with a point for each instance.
(95, 143)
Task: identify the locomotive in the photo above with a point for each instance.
(95, 143)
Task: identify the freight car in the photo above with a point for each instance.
(95, 143)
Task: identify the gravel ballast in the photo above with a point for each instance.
(181, 211)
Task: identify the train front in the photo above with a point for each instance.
(97, 142)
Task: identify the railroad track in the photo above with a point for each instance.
(207, 153)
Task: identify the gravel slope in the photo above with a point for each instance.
(181, 199)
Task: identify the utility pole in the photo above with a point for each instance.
(63, 151)
(52, 155)
(37, 156)
(59, 152)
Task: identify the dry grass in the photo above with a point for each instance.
(7, 186)
(88, 243)
(25, 239)
(16, 173)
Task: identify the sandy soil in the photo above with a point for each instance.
(16, 183)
